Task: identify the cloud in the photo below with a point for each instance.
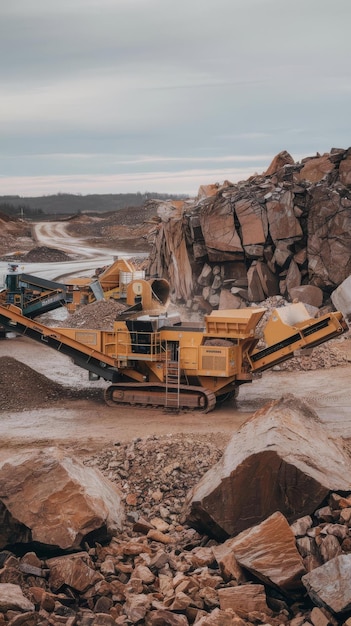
(168, 84)
(180, 182)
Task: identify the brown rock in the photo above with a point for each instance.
(218, 617)
(142, 526)
(255, 288)
(162, 617)
(269, 552)
(308, 294)
(144, 573)
(282, 253)
(101, 619)
(329, 585)
(301, 526)
(282, 459)
(11, 530)
(345, 170)
(228, 564)
(293, 277)
(76, 571)
(136, 607)
(206, 191)
(316, 168)
(282, 220)
(218, 228)
(59, 499)
(229, 301)
(244, 599)
(329, 220)
(329, 548)
(157, 535)
(318, 618)
(253, 221)
(206, 276)
(12, 599)
(268, 279)
(279, 161)
(25, 619)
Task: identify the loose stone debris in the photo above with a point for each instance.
(99, 315)
(35, 390)
(158, 571)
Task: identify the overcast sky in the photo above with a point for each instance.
(114, 96)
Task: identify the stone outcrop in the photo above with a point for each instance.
(282, 459)
(293, 223)
(49, 498)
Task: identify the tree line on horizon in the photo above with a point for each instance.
(72, 204)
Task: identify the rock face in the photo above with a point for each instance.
(49, 498)
(282, 459)
(294, 220)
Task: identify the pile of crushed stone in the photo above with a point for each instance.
(181, 460)
(43, 254)
(99, 315)
(22, 388)
(325, 356)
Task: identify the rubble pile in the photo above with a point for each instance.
(99, 315)
(44, 254)
(159, 571)
(15, 236)
(241, 243)
(324, 356)
(157, 578)
(180, 460)
(33, 390)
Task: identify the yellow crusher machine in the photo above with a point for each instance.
(152, 358)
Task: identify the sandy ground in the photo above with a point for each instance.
(85, 425)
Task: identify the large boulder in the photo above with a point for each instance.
(341, 297)
(55, 500)
(282, 459)
(221, 238)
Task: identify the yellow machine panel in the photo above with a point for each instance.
(217, 361)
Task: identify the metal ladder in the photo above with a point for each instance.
(172, 380)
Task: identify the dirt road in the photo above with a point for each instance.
(88, 424)
(57, 235)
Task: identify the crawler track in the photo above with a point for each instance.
(156, 395)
